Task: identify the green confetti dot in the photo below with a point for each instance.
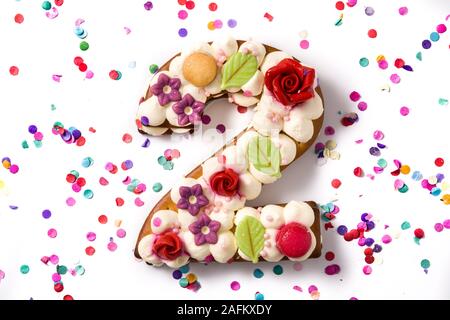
(87, 162)
(382, 163)
(417, 241)
(157, 187)
(403, 189)
(153, 68)
(46, 5)
(259, 296)
(84, 45)
(258, 273)
(53, 107)
(419, 56)
(162, 160)
(24, 269)
(25, 145)
(406, 225)
(278, 270)
(183, 282)
(184, 269)
(61, 269)
(88, 194)
(80, 270)
(37, 144)
(443, 102)
(363, 62)
(425, 263)
(168, 165)
(75, 173)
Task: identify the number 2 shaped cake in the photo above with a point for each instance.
(204, 218)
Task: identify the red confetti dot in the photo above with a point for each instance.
(329, 256)
(419, 233)
(181, 2)
(90, 251)
(212, 6)
(242, 109)
(78, 61)
(336, 183)
(113, 74)
(358, 172)
(18, 18)
(368, 251)
(372, 33)
(355, 234)
(92, 130)
(14, 71)
(81, 141)
(399, 63)
(190, 5)
(439, 162)
(348, 236)
(127, 138)
(268, 16)
(103, 219)
(59, 3)
(369, 259)
(67, 296)
(81, 182)
(58, 287)
(70, 178)
(340, 5)
(119, 202)
(82, 67)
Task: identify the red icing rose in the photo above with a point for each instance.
(225, 183)
(290, 82)
(168, 246)
(293, 240)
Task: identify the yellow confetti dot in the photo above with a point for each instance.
(380, 58)
(405, 169)
(191, 278)
(211, 25)
(118, 223)
(445, 185)
(446, 198)
(2, 184)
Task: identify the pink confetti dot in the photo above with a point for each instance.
(52, 233)
(403, 11)
(121, 233)
(157, 222)
(355, 96)
(112, 246)
(395, 78)
(386, 239)
(2, 275)
(218, 24)
(446, 224)
(14, 169)
(441, 28)
(404, 111)
(378, 135)
(70, 201)
(127, 138)
(103, 181)
(297, 288)
(352, 3)
(383, 64)
(439, 227)
(138, 202)
(312, 289)
(182, 14)
(206, 119)
(56, 277)
(298, 266)
(362, 106)
(89, 74)
(91, 236)
(367, 270)
(54, 259)
(235, 286)
(329, 131)
(304, 44)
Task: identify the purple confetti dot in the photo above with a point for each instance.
(32, 129)
(332, 269)
(182, 32)
(232, 23)
(426, 44)
(377, 248)
(145, 121)
(148, 5)
(369, 242)
(374, 151)
(46, 214)
(177, 274)
(220, 128)
(342, 230)
(206, 119)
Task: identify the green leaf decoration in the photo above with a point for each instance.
(264, 156)
(238, 70)
(250, 237)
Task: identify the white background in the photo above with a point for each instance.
(41, 47)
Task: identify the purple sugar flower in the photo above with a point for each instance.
(192, 199)
(188, 110)
(205, 230)
(166, 89)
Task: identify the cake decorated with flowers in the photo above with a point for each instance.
(204, 217)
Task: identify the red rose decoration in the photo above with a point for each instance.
(290, 82)
(225, 183)
(168, 246)
(293, 240)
